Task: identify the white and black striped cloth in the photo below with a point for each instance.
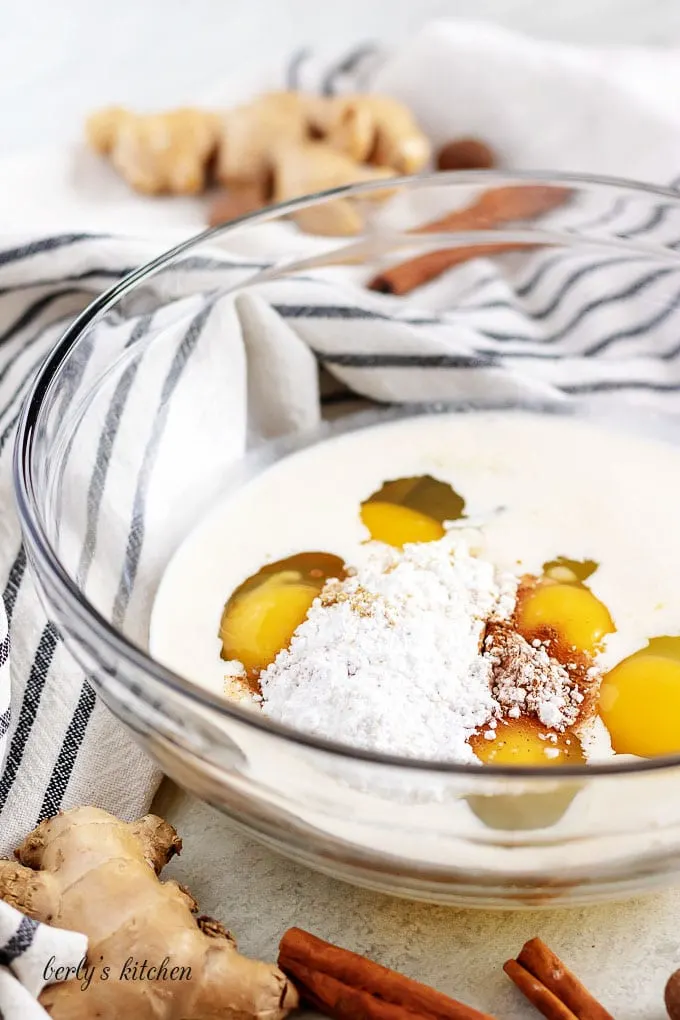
(5, 711)
(30, 956)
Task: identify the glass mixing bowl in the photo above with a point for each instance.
(107, 496)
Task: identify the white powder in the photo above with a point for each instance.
(412, 654)
(389, 659)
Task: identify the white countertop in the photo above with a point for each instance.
(623, 952)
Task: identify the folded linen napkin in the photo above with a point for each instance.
(541, 324)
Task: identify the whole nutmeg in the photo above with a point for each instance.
(466, 154)
(672, 996)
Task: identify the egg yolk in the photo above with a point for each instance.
(640, 705)
(578, 618)
(396, 525)
(411, 510)
(522, 742)
(264, 612)
(569, 571)
(666, 646)
(262, 621)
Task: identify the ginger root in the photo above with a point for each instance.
(282, 145)
(251, 134)
(313, 166)
(160, 152)
(303, 168)
(87, 871)
(373, 129)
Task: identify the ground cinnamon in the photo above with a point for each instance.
(347, 986)
(493, 208)
(552, 988)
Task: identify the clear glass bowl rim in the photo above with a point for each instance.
(45, 556)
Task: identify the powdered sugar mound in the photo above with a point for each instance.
(389, 659)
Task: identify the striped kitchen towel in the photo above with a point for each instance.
(536, 323)
(33, 955)
(5, 711)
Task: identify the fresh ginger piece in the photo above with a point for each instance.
(572, 612)
(397, 525)
(102, 127)
(251, 134)
(314, 166)
(372, 129)
(399, 141)
(157, 153)
(86, 871)
(347, 127)
(340, 218)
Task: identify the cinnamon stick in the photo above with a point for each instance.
(335, 999)
(538, 995)
(538, 962)
(495, 207)
(406, 276)
(347, 986)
